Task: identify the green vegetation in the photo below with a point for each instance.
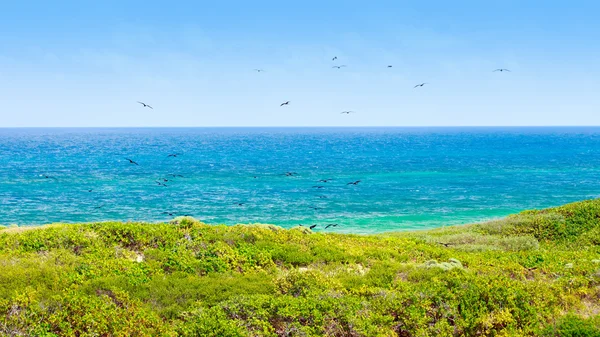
(532, 274)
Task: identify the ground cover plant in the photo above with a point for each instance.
(536, 273)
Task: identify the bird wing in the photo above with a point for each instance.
(142, 103)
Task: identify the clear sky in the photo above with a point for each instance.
(86, 63)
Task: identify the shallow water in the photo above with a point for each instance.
(410, 177)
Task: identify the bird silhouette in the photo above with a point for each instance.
(290, 174)
(331, 225)
(312, 227)
(389, 66)
(168, 213)
(318, 186)
(419, 85)
(285, 103)
(322, 196)
(240, 204)
(47, 177)
(325, 180)
(161, 184)
(145, 105)
(90, 191)
(259, 70)
(131, 161)
(354, 183)
(347, 112)
(445, 244)
(334, 58)
(174, 155)
(339, 67)
(315, 208)
(501, 70)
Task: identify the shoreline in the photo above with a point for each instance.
(337, 231)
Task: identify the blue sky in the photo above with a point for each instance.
(84, 63)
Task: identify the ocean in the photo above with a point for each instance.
(410, 178)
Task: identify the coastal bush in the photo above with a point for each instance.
(512, 277)
(573, 326)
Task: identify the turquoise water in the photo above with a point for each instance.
(410, 177)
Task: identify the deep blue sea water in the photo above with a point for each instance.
(410, 177)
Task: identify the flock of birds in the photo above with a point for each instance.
(336, 67)
(162, 182)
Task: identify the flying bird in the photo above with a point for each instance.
(325, 180)
(47, 177)
(168, 213)
(174, 155)
(161, 184)
(131, 161)
(90, 191)
(259, 70)
(420, 85)
(354, 183)
(145, 105)
(322, 196)
(240, 204)
(285, 103)
(334, 58)
(315, 208)
(318, 186)
(290, 174)
(389, 66)
(501, 70)
(347, 112)
(312, 227)
(331, 225)
(339, 67)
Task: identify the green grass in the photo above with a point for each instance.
(536, 273)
